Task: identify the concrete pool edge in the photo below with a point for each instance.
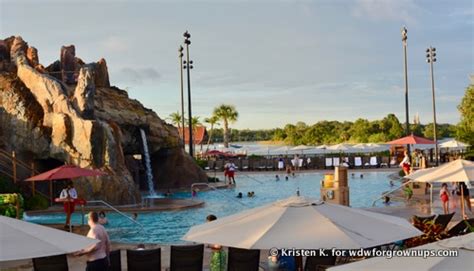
(162, 204)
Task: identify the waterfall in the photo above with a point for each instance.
(149, 174)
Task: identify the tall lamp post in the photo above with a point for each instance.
(431, 58)
(188, 66)
(404, 41)
(180, 50)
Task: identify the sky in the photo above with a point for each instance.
(277, 62)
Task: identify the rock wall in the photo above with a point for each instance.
(69, 112)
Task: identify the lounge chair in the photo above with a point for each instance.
(115, 261)
(373, 161)
(245, 164)
(385, 161)
(186, 258)
(270, 164)
(366, 161)
(139, 260)
(243, 259)
(219, 165)
(51, 263)
(328, 163)
(210, 165)
(316, 263)
(261, 164)
(461, 228)
(345, 162)
(357, 161)
(443, 220)
(336, 161)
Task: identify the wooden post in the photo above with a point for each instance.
(14, 166)
(17, 206)
(33, 188)
(462, 202)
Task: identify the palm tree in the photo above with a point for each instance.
(175, 119)
(213, 120)
(227, 114)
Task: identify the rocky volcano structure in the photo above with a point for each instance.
(67, 112)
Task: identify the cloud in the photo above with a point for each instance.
(136, 76)
(114, 44)
(386, 10)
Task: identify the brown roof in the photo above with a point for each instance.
(199, 134)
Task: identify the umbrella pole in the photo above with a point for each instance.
(82, 213)
(431, 198)
(51, 192)
(462, 203)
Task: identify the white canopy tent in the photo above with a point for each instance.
(303, 223)
(464, 245)
(25, 240)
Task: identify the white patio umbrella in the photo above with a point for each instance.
(340, 148)
(456, 171)
(464, 245)
(301, 148)
(303, 223)
(24, 240)
(453, 144)
(283, 150)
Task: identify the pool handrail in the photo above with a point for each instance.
(390, 192)
(215, 189)
(116, 210)
(250, 177)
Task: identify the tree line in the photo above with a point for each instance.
(333, 132)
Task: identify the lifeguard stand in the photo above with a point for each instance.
(335, 188)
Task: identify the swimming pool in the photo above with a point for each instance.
(168, 227)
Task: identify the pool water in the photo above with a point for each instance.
(168, 227)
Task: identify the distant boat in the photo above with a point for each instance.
(235, 146)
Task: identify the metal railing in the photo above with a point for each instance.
(214, 189)
(115, 210)
(390, 192)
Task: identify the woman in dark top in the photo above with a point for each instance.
(464, 191)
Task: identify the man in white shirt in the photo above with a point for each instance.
(97, 254)
(68, 195)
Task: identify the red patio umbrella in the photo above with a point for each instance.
(411, 139)
(66, 172)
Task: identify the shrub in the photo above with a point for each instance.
(36, 202)
(201, 163)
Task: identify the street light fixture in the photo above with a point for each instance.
(188, 66)
(404, 41)
(180, 50)
(431, 58)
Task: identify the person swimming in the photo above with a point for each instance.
(362, 176)
(277, 178)
(239, 196)
(286, 178)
